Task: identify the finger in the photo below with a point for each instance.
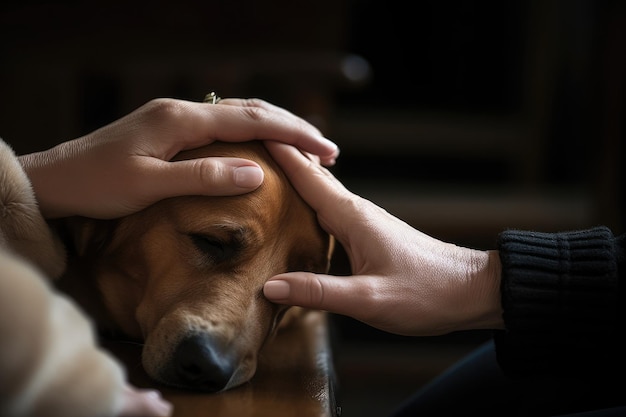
(317, 186)
(246, 120)
(328, 155)
(144, 403)
(214, 176)
(317, 291)
(257, 102)
(313, 157)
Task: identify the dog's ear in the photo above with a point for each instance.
(331, 250)
(312, 255)
(84, 235)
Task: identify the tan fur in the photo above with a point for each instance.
(146, 277)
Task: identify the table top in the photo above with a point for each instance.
(295, 377)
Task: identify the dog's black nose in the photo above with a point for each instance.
(200, 364)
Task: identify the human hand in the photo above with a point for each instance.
(124, 166)
(403, 281)
(144, 403)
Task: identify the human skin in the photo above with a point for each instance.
(125, 166)
(403, 281)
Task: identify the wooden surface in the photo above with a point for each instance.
(294, 378)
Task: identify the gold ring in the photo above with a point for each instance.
(211, 98)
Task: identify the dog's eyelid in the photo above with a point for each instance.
(226, 231)
(217, 248)
(239, 235)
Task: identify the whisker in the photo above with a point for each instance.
(128, 342)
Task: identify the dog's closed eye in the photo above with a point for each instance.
(214, 249)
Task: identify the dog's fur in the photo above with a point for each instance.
(185, 275)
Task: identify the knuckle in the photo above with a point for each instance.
(315, 291)
(256, 114)
(163, 109)
(254, 102)
(207, 172)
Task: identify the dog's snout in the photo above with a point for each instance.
(199, 363)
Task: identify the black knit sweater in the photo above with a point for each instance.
(563, 303)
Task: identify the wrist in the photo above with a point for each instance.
(485, 278)
(41, 171)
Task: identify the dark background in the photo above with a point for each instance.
(461, 117)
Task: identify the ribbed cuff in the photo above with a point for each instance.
(560, 295)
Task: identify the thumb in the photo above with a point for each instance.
(212, 176)
(309, 290)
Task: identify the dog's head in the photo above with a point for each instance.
(185, 276)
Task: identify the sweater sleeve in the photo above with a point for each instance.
(562, 303)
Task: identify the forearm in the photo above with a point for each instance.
(561, 301)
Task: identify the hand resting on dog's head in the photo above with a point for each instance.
(126, 166)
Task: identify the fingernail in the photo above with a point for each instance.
(276, 290)
(332, 145)
(154, 394)
(248, 176)
(328, 142)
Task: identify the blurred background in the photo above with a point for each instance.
(463, 118)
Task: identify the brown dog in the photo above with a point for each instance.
(185, 276)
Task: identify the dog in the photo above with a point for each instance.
(185, 275)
